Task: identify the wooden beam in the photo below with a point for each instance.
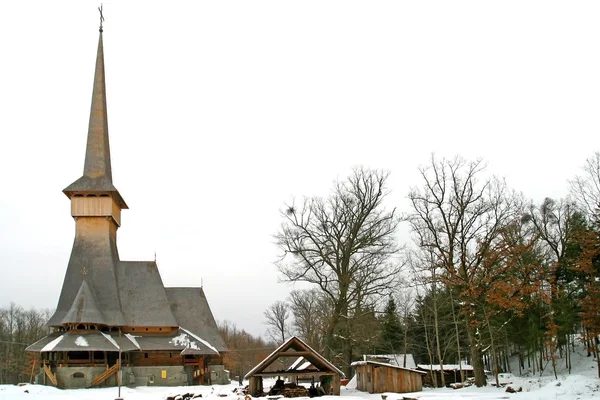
(294, 373)
(295, 354)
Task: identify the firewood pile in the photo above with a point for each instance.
(288, 390)
(186, 396)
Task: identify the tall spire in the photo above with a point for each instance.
(97, 172)
(97, 155)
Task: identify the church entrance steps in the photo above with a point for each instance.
(50, 375)
(105, 375)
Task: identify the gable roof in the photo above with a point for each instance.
(192, 312)
(84, 307)
(294, 347)
(143, 298)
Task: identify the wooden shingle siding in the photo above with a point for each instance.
(378, 378)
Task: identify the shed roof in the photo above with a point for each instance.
(295, 347)
(447, 367)
(358, 363)
(394, 359)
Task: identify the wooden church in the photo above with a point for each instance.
(115, 314)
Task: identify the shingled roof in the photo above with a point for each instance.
(85, 307)
(97, 171)
(143, 297)
(191, 309)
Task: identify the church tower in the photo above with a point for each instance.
(90, 295)
(117, 315)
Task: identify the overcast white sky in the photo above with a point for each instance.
(220, 111)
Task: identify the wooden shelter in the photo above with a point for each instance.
(451, 373)
(375, 377)
(307, 364)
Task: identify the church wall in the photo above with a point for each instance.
(150, 359)
(163, 375)
(66, 380)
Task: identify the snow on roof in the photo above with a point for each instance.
(53, 343)
(394, 359)
(304, 366)
(110, 339)
(447, 367)
(295, 363)
(268, 360)
(357, 363)
(80, 341)
(198, 338)
(133, 340)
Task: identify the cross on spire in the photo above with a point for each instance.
(101, 16)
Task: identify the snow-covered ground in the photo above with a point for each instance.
(581, 384)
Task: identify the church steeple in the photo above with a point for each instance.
(97, 171)
(90, 292)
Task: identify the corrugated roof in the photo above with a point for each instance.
(192, 312)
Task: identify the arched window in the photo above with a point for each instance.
(81, 326)
(78, 375)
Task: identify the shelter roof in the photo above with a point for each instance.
(295, 347)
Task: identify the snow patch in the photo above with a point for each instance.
(110, 339)
(204, 342)
(133, 340)
(50, 346)
(80, 341)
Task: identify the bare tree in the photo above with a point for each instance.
(344, 245)
(586, 188)
(460, 218)
(311, 314)
(277, 318)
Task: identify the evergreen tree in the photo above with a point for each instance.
(391, 341)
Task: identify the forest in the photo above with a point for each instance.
(486, 275)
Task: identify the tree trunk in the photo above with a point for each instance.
(476, 356)
(462, 373)
(437, 335)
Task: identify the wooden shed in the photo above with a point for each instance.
(296, 361)
(375, 377)
(451, 372)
